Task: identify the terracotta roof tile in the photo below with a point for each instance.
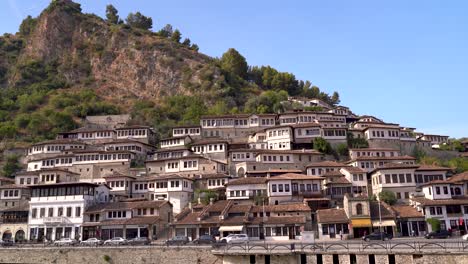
(326, 164)
(247, 180)
(407, 211)
(332, 216)
(454, 201)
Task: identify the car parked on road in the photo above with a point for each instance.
(139, 241)
(235, 238)
(6, 243)
(177, 240)
(205, 239)
(65, 241)
(465, 237)
(116, 241)
(377, 236)
(91, 242)
(438, 234)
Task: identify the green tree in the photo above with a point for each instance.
(11, 166)
(166, 31)
(27, 26)
(356, 142)
(186, 42)
(435, 223)
(112, 14)
(388, 197)
(138, 20)
(335, 99)
(342, 149)
(194, 47)
(234, 63)
(176, 36)
(321, 145)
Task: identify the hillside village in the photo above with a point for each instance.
(258, 174)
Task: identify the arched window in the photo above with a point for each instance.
(359, 209)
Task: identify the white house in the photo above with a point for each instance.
(56, 210)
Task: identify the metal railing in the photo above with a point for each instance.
(345, 247)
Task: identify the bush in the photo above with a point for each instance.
(388, 197)
(435, 223)
(342, 149)
(321, 145)
(11, 166)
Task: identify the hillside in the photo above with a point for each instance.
(64, 65)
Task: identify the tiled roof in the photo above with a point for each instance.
(440, 182)
(458, 201)
(332, 174)
(59, 141)
(340, 180)
(127, 141)
(290, 207)
(365, 158)
(13, 186)
(247, 180)
(5, 179)
(117, 174)
(407, 211)
(326, 164)
(142, 220)
(332, 216)
(395, 166)
(353, 169)
(461, 177)
(295, 176)
(373, 149)
(432, 168)
(125, 205)
(274, 171)
(385, 210)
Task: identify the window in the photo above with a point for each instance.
(432, 210)
(445, 190)
(387, 178)
(439, 210)
(280, 187)
(286, 187)
(34, 212)
(408, 177)
(78, 212)
(69, 211)
(437, 190)
(402, 178)
(394, 178)
(273, 187)
(358, 209)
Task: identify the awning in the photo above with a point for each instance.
(231, 228)
(384, 223)
(361, 223)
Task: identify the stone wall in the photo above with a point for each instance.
(108, 255)
(200, 256)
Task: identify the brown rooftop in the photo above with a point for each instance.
(407, 211)
(247, 180)
(463, 200)
(326, 164)
(295, 176)
(332, 216)
(424, 167)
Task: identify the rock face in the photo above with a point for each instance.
(118, 61)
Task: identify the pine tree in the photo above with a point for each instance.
(112, 14)
(233, 62)
(176, 36)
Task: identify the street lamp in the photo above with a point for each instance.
(380, 218)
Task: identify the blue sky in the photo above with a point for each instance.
(403, 61)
